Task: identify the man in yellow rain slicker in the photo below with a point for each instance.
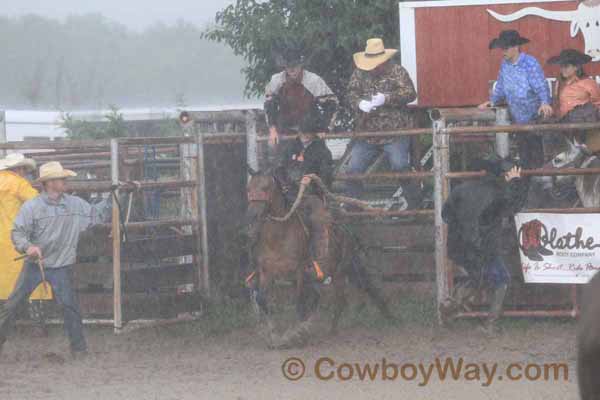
(15, 190)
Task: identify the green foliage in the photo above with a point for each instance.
(113, 126)
(328, 31)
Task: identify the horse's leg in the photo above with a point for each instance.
(300, 295)
(339, 288)
(363, 281)
(261, 307)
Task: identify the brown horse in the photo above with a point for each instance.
(280, 250)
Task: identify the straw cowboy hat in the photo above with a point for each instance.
(53, 170)
(374, 55)
(16, 160)
(508, 39)
(570, 57)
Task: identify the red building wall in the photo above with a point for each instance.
(454, 64)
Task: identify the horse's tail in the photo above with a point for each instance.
(359, 276)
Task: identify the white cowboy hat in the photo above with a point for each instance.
(53, 170)
(16, 160)
(374, 55)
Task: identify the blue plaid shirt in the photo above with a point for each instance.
(524, 88)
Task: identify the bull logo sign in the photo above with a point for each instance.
(586, 18)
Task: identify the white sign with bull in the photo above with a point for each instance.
(586, 18)
(558, 248)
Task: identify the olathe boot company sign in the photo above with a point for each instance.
(558, 248)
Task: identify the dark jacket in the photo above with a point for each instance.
(474, 213)
(298, 161)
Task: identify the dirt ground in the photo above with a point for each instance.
(192, 362)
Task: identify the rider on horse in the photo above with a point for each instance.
(309, 155)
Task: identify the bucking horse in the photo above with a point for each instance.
(280, 250)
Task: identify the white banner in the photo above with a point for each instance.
(559, 248)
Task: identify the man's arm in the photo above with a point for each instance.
(498, 93)
(516, 193)
(355, 91)
(326, 167)
(538, 83)
(271, 92)
(93, 214)
(23, 229)
(330, 106)
(403, 91)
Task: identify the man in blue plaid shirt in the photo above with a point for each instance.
(522, 85)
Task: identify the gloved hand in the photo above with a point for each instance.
(365, 106)
(378, 100)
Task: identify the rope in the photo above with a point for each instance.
(338, 198)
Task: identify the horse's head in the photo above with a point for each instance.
(262, 190)
(571, 158)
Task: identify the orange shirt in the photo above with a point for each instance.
(577, 92)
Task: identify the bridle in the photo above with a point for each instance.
(262, 196)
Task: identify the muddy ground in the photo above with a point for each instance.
(220, 357)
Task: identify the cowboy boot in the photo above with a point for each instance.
(531, 241)
(496, 307)
(537, 234)
(462, 300)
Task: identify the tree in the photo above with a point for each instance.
(327, 31)
(113, 127)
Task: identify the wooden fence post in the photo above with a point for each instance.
(441, 167)
(116, 236)
(204, 270)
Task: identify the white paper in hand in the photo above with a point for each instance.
(365, 106)
(378, 100)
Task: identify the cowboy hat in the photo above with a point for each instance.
(291, 57)
(494, 165)
(16, 160)
(570, 57)
(374, 55)
(508, 39)
(53, 170)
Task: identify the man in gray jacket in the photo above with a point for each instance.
(47, 230)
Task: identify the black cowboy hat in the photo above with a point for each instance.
(507, 39)
(570, 57)
(291, 57)
(494, 165)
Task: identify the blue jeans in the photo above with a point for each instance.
(495, 274)
(363, 154)
(60, 279)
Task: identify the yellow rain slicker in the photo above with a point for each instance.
(14, 191)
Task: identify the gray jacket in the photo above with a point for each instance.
(55, 226)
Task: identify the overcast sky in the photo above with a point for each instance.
(136, 14)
